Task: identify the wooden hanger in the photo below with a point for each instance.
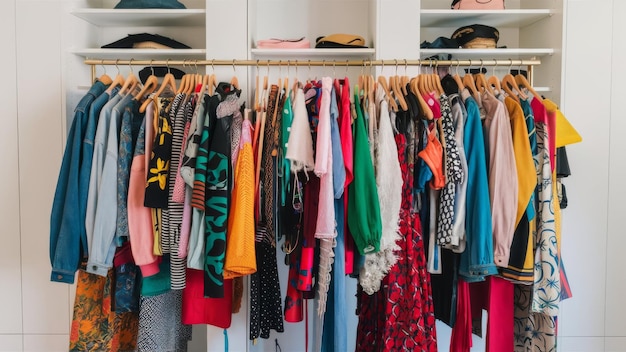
(191, 85)
(371, 88)
(523, 82)
(437, 83)
(234, 81)
(470, 84)
(392, 102)
(481, 83)
(421, 84)
(104, 78)
(182, 84)
(256, 89)
(117, 81)
(494, 82)
(168, 81)
(397, 92)
(130, 84)
(212, 84)
(425, 110)
(510, 87)
(286, 81)
(404, 80)
(457, 78)
(151, 84)
(413, 85)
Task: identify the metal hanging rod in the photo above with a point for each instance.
(340, 63)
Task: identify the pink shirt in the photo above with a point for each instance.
(140, 217)
(502, 173)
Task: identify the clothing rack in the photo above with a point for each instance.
(324, 63)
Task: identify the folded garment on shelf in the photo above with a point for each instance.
(440, 42)
(340, 40)
(149, 4)
(146, 41)
(277, 43)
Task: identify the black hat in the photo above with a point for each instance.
(146, 41)
(476, 36)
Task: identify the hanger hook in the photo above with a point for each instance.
(195, 65)
(346, 68)
(296, 64)
(280, 68)
(481, 66)
(257, 65)
(213, 65)
(151, 66)
(167, 64)
(334, 71)
(396, 62)
(406, 68)
(458, 62)
(382, 67)
(234, 70)
(103, 67)
(511, 65)
(117, 67)
(493, 70)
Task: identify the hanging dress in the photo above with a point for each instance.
(400, 316)
(265, 297)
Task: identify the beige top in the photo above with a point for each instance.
(502, 173)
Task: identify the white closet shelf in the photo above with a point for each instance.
(145, 54)
(496, 18)
(503, 53)
(313, 52)
(142, 17)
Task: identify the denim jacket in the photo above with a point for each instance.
(103, 246)
(86, 159)
(66, 226)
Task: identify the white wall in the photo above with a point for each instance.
(35, 313)
(593, 238)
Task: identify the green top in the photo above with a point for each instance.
(363, 206)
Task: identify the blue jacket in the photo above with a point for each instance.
(477, 259)
(66, 226)
(86, 160)
(103, 246)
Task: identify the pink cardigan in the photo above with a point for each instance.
(503, 186)
(140, 217)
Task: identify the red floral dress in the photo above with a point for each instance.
(400, 317)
